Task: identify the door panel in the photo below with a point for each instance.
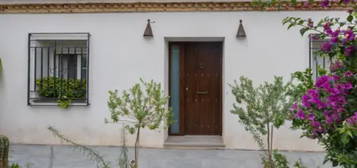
(200, 88)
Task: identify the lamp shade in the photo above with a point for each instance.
(241, 32)
(148, 30)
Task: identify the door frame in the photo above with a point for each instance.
(182, 82)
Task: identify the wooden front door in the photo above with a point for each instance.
(200, 88)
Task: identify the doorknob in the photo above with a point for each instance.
(202, 92)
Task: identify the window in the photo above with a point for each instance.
(58, 68)
(315, 60)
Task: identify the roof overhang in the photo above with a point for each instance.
(184, 6)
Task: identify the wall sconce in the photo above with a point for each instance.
(148, 30)
(241, 31)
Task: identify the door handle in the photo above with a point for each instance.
(202, 92)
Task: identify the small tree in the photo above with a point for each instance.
(262, 110)
(142, 106)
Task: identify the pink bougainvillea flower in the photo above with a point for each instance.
(313, 92)
(311, 117)
(340, 110)
(315, 124)
(300, 114)
(294, 107)
(336, 77)
(335, 33)
(322, 81)
(334, 39)
(352, 120)
(328, 119)
(305, 101)
(326, 47)
(347, 86)
(335, 66)
(334, 91)
(349, 50)
(327, 28)
(317, 127)
(325, 3)
(349, 35)
(348, 74)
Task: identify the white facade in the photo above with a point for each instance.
(119, 56)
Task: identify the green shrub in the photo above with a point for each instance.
(326, 110)
(64, 90)
(4, 151)
(15, 165)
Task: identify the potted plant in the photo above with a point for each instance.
(64, 91)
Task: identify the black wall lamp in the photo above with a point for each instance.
(148, 30)
(241, 32)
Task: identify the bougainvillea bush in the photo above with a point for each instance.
(327, 109)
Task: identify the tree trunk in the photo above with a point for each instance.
(271, 137)
(136, 148)
(269, 147)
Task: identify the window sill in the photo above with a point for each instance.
(53, 102)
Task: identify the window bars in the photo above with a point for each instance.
(317, 62)
(58, 65)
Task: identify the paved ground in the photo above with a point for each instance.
(42, 156)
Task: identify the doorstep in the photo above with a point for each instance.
(194, 142)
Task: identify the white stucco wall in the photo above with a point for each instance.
(119, 56)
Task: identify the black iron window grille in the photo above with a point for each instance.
(58, 65)
(316, 61)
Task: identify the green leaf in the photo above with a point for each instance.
(131, 130)
(354, 14)
(345, 139)
(303, 30)
(286, 20)
(291, 25)
(349, 18)
(300, 22)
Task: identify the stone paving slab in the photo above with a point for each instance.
(39, 156)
